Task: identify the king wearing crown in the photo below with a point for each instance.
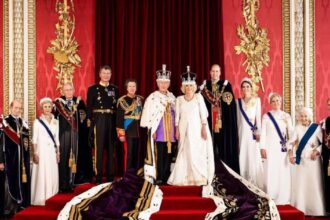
(158, 117)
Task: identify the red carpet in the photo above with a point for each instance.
(178, 203)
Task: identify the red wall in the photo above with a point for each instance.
(322, 48)
(1, 59)
(85, 36)
(270, 18)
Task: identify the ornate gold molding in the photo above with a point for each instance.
(18, 47)
(32, 61)
(15, 85)
(254, 43)
(65, 47)
(312, 75)
(298, 54)
(6, 57)
(286, 56)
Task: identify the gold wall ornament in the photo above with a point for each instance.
(254, 43)
(65, 47)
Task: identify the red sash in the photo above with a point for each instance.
(10, 132)
(66, 115)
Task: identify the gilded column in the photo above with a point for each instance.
(19, 55)
(18, 46)
(299, 43)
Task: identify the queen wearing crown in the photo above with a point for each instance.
(195, 163)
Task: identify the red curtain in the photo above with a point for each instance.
(135, 37)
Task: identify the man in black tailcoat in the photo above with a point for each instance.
(14, 161)
(75, 164)
(220, 102)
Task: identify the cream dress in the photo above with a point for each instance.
(277, 165)
(250, 163)
(195, 161)
(44, 181)
(307, 183)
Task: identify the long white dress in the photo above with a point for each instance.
(250, 162)
(44, 180)
(277, 165)
(307, 183)
(195, 160)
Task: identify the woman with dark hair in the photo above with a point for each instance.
(249, 127)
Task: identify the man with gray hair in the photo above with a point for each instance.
(158, 116)
(75, 164)
(14, 161)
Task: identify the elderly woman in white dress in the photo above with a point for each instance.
(195, 161)
(304, 149)
(276, 129)
(249, 127)
(44, 181)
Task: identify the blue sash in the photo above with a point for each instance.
(310, 131)
(253, 127)
(128, 121)
(282, 139)
(48, 131)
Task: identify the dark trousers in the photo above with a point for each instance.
(163, 162)
(132, 152)
(104, 135)
(326, 157)
(9, 204)
(68, 140)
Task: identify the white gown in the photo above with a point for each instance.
(195, 161)
(307, 183)
(277, 165)
(250, 162)
(44, 180)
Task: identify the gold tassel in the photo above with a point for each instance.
(70, 162)
(94, 165)
(24, 177)
(169, 147)
(71, 159)
(329, 169)
(74, 168)
(218, 125)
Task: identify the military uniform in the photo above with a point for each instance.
(220, 102)
(14, 153)
(128, 125)
(101, 113)
(75, 164)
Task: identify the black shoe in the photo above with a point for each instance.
(159, 182)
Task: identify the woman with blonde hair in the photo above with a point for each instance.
(195, 161)
(276, 129)
(46, 155)
(304, 149)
